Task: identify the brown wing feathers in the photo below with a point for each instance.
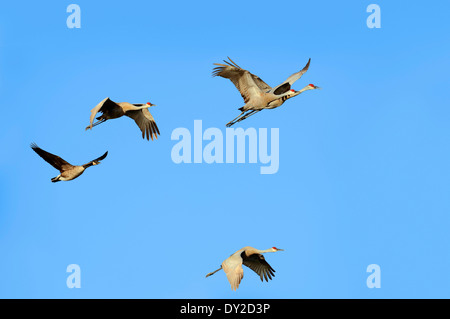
(234, 72)
(258, 264)
(145, 122)
(54, 160)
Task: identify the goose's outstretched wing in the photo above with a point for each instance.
(246, 82)
(286, 85)
(258, 264)
(145, 121)
(54, 160)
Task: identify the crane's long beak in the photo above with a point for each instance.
(278, 249)
(316, 87)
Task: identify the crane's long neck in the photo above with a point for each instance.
(270, 250)
(288, 95)
(306, 88)
(141, 106)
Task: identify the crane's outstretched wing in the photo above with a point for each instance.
(106, 104)
(145, 121)
(286, 85)
(56, 161)
(97, 160)
(246, 82)
(258, 264)
(233, 269)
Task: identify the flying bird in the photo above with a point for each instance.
(68, 171)
(138, 112)
(257, 94)
(250, 257)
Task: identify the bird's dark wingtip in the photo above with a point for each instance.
(306, 67)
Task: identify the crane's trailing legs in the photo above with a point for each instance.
(212, 273)
(95, 124)
(234, 120)
(248, 115)
(242, 117)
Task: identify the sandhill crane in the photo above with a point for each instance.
(68, 171)
(257, 94)
(250, 257)
(138, 112)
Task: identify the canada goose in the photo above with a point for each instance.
(68, 171)
(138, 112)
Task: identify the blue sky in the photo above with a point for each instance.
(363, 176)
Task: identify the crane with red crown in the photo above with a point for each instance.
(257, 94)
(250, 257)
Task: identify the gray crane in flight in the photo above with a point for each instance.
(250, 257)
(138, 112)
(257, 94)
